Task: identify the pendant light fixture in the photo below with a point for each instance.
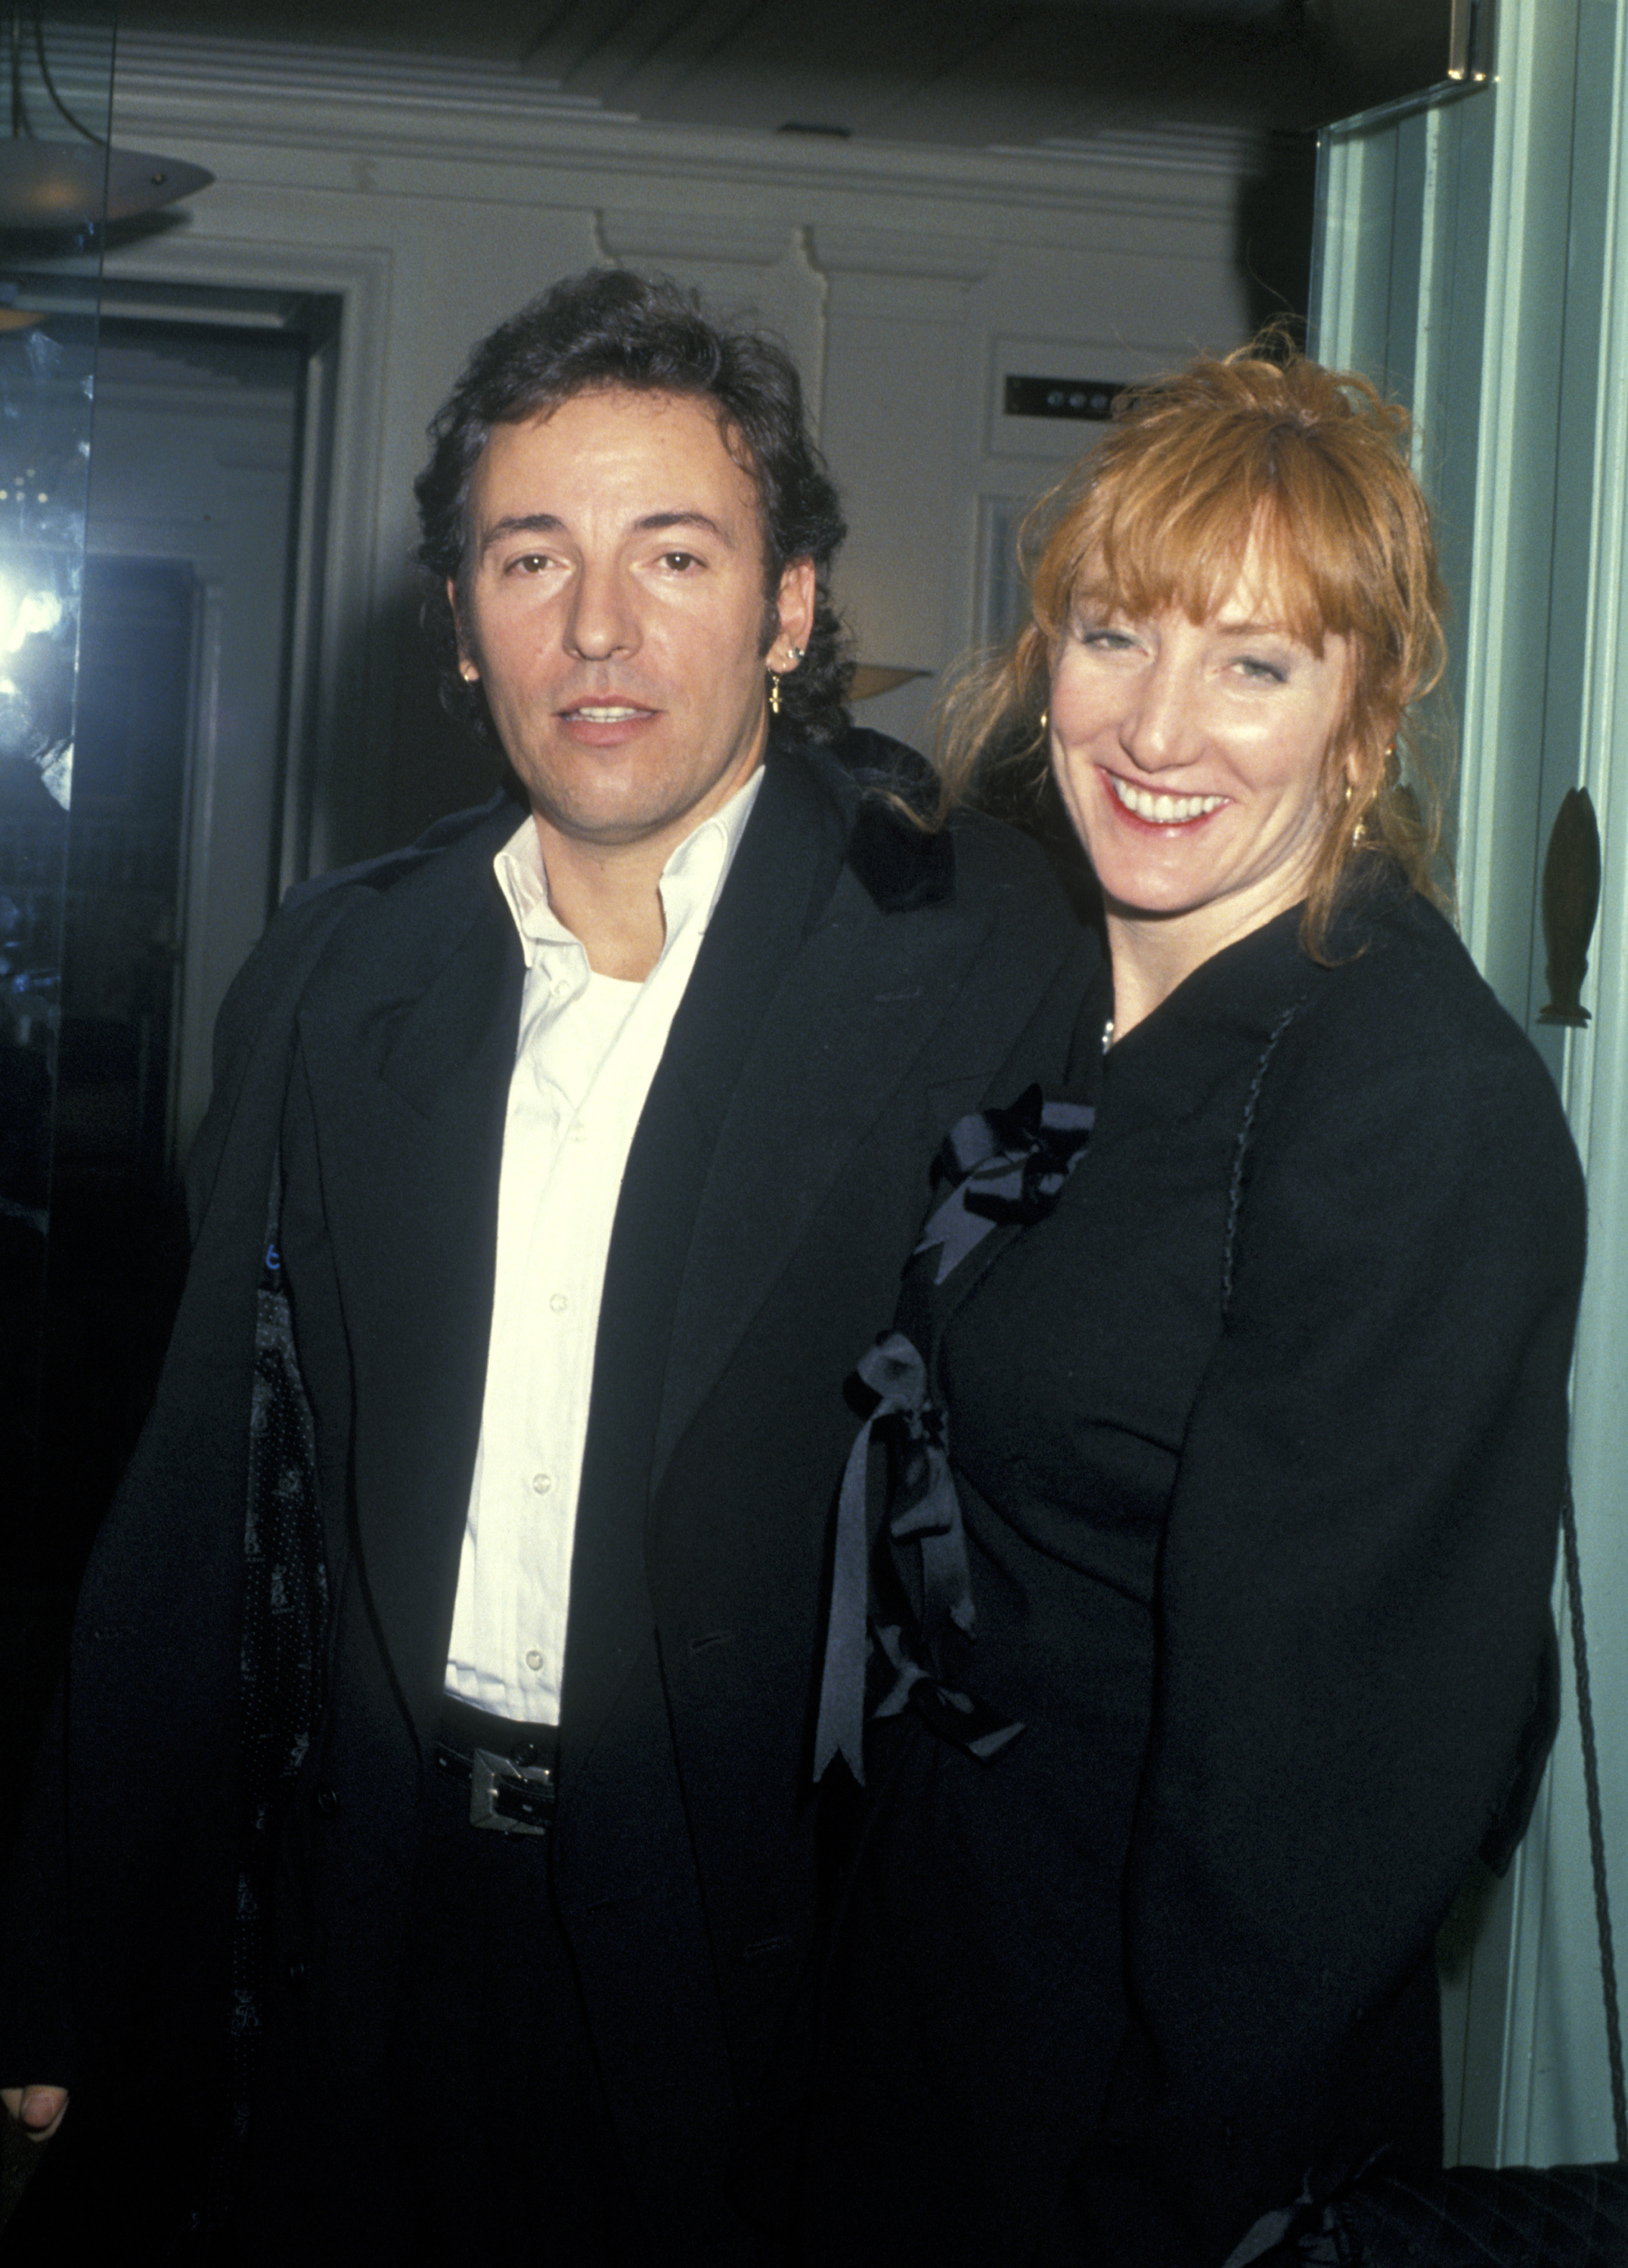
(50, 186)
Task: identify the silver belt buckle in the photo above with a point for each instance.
(510, 1798)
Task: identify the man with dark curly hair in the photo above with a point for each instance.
(449, 1819)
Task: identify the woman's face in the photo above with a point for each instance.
(1191, 758)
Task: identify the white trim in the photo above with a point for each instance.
(350, 707)
(1498, 484)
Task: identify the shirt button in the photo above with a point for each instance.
(542, 1482)
(580, 1132)
(558, 1302)
(533, 1660)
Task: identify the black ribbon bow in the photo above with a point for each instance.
(1007, 1166)
(1010, 1166)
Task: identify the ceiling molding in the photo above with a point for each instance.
(262, 115)
(157, 64)
(1234, 151)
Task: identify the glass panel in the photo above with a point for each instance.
(178, 781)
(59, 65)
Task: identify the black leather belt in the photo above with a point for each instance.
(510, 1769)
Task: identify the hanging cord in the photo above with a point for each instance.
(1596, 1829)
(101, 140)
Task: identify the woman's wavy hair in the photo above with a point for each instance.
(1265, 447)
(612, 329)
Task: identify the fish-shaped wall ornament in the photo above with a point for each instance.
(1570, 904)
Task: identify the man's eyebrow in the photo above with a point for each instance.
(652, 523)
(520, 523)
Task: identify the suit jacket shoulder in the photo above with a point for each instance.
(1403, 1031)
(448, 855)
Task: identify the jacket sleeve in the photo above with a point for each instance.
(129, 1835)
(1353, 1606)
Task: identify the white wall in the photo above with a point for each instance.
(906, 279)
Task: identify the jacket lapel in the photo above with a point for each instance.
(409, 1043)
(783, 873)
(848, 1023)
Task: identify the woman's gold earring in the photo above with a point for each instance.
(1045, 721)
(774, 694)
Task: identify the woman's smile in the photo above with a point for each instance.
(1162, 810)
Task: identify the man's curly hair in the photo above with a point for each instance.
(611, 327)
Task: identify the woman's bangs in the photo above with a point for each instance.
(1191, 552)
(1302, 585)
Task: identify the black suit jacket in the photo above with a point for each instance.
(861, 985)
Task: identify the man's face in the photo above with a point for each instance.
(614, 612)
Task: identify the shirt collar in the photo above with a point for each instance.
(691, 881)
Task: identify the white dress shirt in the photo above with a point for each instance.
(588, 1049)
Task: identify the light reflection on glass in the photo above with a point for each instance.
(46, 388)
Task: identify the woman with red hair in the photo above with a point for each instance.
(1209, 1623)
